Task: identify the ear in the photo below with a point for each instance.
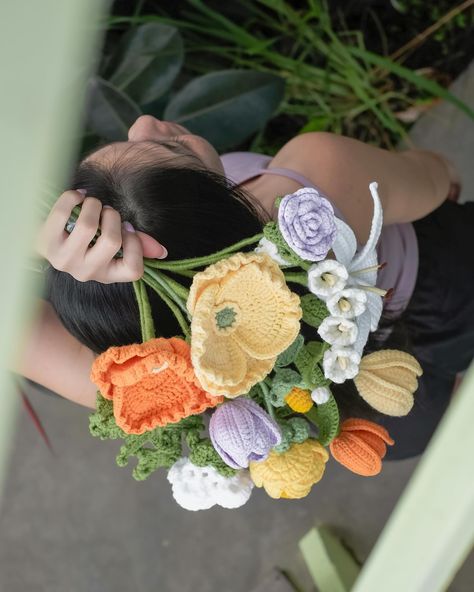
(151, 247)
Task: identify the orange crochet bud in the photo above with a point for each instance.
(151, 384)
(299, 400)
(361, 446)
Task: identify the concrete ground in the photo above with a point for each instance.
(75, 522)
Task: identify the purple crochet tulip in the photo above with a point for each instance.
(241, 431)
(306, 221)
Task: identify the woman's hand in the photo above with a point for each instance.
(71, 252)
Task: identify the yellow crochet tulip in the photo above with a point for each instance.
(387, 380)
(243, 317)
(293, 473)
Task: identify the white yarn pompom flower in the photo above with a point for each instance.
(320, 395)
(326, 278)
(200, 488)
(338, 331)
(340, 364)
(266, 246)
(347, 303)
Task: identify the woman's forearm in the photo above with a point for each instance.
(52, 357)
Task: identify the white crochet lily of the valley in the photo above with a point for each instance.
(362, 268)
(200, 488)
(341, 363)
(266, 246)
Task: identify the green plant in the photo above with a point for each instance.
(332, 81)
(226, 107)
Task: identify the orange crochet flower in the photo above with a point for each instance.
(151, 384)
(361, 446)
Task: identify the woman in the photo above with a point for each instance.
(168, 185)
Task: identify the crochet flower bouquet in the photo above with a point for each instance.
(242, 359)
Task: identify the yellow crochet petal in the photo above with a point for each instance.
(220, 364)
(293, 473)
(271, 313)
(213, 274)
(387, 380)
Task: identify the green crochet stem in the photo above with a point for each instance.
(171, 304)
(175, 291)
(186, 264)
(297, 278)
(266, 397)
(146, 319)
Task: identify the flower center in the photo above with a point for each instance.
(329, 278)
(225, 317)
(342, 363)
(344, 305)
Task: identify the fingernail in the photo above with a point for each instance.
(164, 254)
(110, 208)
(128, 227)
(83, 191)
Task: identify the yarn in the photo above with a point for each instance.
(293, 473)
(151, 384)
(314, 310)
(229, 361)
(299, 400)
(387, 380)
(361, 446)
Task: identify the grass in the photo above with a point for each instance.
(333, 82)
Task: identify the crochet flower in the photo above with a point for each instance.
(387, 380)
(362, 267)
(266, 246)
(299, 400)
(293, 473)
(327, 278)
(338, 331)
(200, 488)
(340, 363)
(306, 222)
(361, 446)
(241, 431)
(243, 317)
(151, 384)
(320, 395)
(347, 303)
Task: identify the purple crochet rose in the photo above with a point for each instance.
(241, 431)
(306, 221)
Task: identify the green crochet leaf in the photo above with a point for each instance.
(307, 362)
(314, 310)
(203, 454)
(288, 356)
(102, 423)
(273, 234)
(326, 419)
(284, 380)
(300, 428)
(294, 430)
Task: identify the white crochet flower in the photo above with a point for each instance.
(320, 395)
(266, 246)
(347, 303)
(200, 488)
(326, 278)
(340, 364)
(338, 331)
(362, 267)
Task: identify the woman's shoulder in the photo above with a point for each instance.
(324, 160)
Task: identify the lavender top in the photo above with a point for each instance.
(397, 245)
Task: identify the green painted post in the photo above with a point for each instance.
(431, 530)
(46, 52)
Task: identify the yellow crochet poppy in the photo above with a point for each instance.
(243, 317)
(293, 473)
